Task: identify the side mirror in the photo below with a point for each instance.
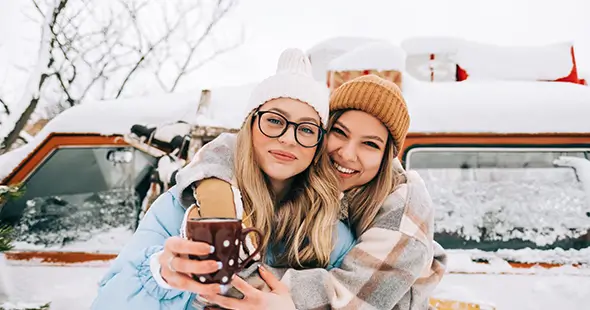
(120, 156)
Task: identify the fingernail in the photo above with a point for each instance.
(224, 289)
(212, 249)
(219, 265)
(261, 268)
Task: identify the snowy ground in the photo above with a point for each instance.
(73, 288)
(67, 288)
(520, 292)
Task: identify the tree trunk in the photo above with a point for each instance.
(32, 91)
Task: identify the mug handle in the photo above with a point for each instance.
(245, 233)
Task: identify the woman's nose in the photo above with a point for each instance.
(348, 152)
(288, 137)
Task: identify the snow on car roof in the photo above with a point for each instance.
(109, 118)
(497, 106)
(465, 107)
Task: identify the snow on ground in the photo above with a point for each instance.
(518, 292)
(67, 288)
(74, 287)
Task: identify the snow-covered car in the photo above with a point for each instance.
(506, 164)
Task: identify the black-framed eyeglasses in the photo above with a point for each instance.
(274, 125)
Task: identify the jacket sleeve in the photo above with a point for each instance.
(393, 265)
(129, 282)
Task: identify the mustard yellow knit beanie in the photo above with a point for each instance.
(378, 97)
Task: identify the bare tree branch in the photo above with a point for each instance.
(152, 47)
(132, 12)
(94, 80)
(71, 19)
(5, 106)
(64, 88)
(38, 8)
(193, 47)
(97, 48)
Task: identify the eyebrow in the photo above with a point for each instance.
(364, 137)
(302, 119)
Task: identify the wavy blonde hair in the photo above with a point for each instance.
(365, 201)
(303, 223)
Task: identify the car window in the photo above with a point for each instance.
(507, 198)
(79, 194)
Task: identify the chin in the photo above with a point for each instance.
(344, 186)
(348, 184)
(275, 173)
(280, 175)
(280, 172)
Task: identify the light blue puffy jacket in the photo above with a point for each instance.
(129, 284)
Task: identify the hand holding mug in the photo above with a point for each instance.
(177, 268)
(227, 236)
(278, 298)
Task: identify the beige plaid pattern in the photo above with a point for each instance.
(395, 265)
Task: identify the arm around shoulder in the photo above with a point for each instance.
(214, 160)
(381, 271)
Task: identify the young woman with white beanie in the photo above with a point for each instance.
(289, 189)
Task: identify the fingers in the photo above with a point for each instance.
(244, 287)
(272, 281)
(175, 266)
(227, 302)
(178, 245)
(183, 282)
(251, 295)
(188, 266)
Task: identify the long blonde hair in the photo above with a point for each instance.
(365, 201)
(303, 223)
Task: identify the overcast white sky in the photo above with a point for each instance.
(272, 25)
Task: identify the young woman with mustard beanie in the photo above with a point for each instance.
(395, 263)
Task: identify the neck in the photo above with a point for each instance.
(280, 188)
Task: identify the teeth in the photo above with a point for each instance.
(343, 170)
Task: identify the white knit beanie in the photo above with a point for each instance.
(294, 80)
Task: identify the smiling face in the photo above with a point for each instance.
(356, 145)
(282, 158)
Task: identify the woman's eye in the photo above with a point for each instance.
(372, 144)
(338, 131)
(275, 121)
(308, 130)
